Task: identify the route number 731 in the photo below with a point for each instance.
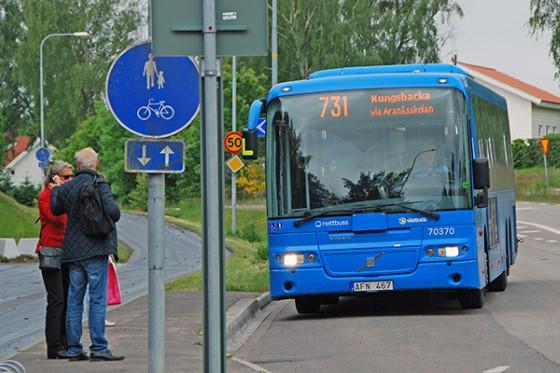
(338, 106)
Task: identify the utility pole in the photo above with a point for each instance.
(213, 207)
(233, 128)
(274, 43)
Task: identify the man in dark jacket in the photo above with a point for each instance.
(87, 257)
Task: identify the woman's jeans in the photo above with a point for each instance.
(92, 272)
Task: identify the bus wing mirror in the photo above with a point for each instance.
(481, 173)
(254, 119)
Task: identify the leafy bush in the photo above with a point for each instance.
(261, 255)
(138, 198)
(249, 233)
(26, 193)
(528, 153)
(6, 185)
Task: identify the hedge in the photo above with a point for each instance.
(528, 153)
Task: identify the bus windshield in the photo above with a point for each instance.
(376, 145)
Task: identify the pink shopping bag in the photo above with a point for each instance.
(113, 287)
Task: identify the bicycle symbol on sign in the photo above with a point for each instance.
(160, 109)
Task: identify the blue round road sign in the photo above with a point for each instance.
(153, 96)
(43, 154)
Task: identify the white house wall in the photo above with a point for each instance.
(545, 121)
(27, 167)
(519, 109)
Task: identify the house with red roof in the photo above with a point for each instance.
(533, 112)
(20, 162)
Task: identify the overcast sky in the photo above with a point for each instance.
(494, 33)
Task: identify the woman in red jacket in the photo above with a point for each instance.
(56, 281)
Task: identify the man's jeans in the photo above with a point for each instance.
(91, 271)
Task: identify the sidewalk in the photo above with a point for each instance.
(129, 337)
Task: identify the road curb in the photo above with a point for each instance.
(242, 312)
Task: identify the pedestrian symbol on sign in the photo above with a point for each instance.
(153, 96)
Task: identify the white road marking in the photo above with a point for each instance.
(546, 228)
(521, 235)
(526, 232)
(250, 365)
(551, 241)
(497, 369)
(525, 208)
(537, 238)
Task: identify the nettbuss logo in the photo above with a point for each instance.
(404, 220)
(331, 223)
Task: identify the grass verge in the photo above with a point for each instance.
(124, 252)
(530, 185)
(247, 266)
(17, 221)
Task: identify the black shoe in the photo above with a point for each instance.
(62, 354)
(81, 356)
(104, 355)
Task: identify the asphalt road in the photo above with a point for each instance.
(516, 331)
(23, 297)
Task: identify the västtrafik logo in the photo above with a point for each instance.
(403, 220)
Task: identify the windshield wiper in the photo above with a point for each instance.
(362, 208)
(412, 167)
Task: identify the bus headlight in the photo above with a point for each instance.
(449, 251)
(291, 260)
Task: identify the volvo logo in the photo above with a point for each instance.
(370, 262)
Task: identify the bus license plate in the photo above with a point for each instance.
(373, 286)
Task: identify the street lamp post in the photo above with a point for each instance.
(81, 34)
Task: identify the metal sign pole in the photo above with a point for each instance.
(156, 260)
(212, 190)
(274, 52)
(545, 171)
(234, 128)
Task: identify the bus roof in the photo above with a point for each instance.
(389, 69)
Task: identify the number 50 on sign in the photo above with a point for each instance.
(233, 142)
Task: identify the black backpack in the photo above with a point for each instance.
(92, 218)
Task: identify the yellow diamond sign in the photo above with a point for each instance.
(235, 164)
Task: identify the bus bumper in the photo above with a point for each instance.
(289, 283)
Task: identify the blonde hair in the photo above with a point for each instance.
(55, 169)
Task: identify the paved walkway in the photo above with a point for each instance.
(22, 294)
(129, 337)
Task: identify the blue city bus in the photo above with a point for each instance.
(387, 178)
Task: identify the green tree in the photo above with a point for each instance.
(102, 132)
(315, 35)
(15, 111)
(74, 68)
(545, 15)
(139, 196)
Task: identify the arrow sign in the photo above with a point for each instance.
(154, 156)
(144, 160)
(166, 152)
(261, 127)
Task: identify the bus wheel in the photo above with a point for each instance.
(472, 298)
(307, 305)
(499, 283)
